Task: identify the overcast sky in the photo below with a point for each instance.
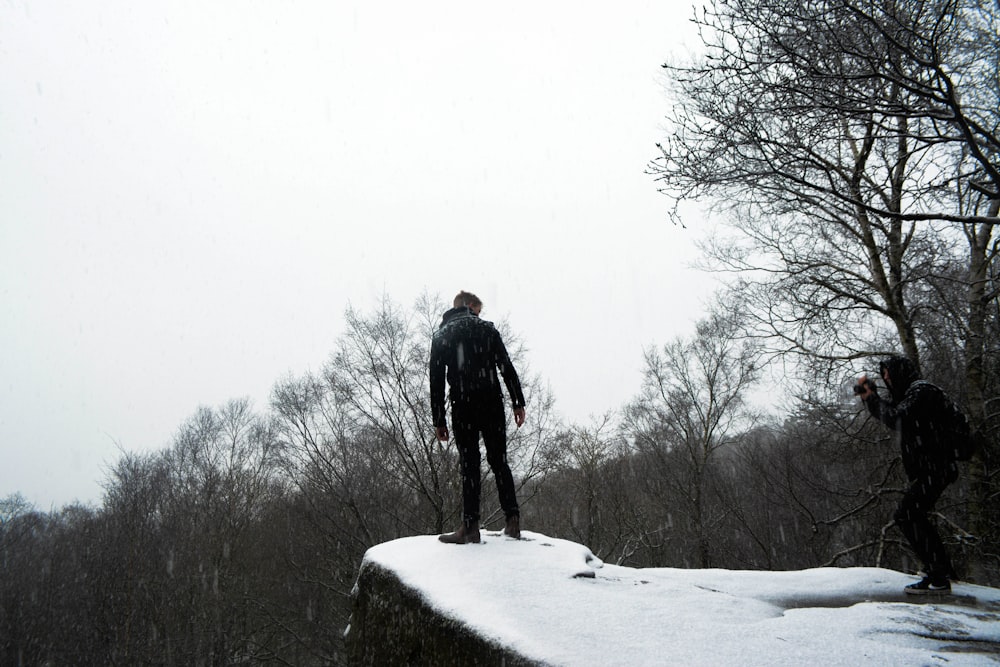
(192, 193)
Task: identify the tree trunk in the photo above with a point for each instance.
(975, 384)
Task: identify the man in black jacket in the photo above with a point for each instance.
(917, 414)
(468, 351)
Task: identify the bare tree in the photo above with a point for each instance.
(793, 123)
(855, 144)
(377, 376)
(220, 479)
(692, 407)
(586, 496)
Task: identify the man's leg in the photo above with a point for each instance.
(914, 521)
(467, 441)
(470, 462)
(495, 439)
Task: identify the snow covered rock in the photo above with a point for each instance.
(546, 601)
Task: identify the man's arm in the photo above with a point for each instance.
(891, 415)
(879, 409)
(437, 380)
(510, 379)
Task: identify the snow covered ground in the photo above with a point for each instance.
(551, 600)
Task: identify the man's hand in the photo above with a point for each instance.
(519, 416)
(865, 388)
(442, 433)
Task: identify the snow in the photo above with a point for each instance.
(553, 601)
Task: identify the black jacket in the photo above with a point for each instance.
(468, 351)
(915, 413)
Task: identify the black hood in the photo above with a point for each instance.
(902, 373)
(459, 311)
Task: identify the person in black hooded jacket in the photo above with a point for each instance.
(916, 413)
(468, 351)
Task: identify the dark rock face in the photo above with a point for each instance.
(391, 624)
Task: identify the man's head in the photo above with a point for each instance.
(468, 299)
(899, 373)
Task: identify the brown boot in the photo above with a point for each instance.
(513, 528)
(467, 534)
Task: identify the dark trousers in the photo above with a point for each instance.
(468, 422)
(913, 518)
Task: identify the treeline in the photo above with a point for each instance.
(241, 542)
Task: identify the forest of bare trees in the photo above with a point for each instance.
(850, 148)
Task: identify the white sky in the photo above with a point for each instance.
(526, 595)
(191, 193)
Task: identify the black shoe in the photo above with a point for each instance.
(928, 586)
